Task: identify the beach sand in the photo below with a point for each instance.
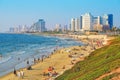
(59, 59)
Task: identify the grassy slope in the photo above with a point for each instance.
(99, 62)
(110, 76)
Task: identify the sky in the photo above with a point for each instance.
(26, 12)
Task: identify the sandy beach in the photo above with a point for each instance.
(60, 61)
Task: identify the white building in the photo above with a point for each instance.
(99, 20)
(87, 22)
(96, 20)
(72, 24)
(77, 24)
(97, 26)
(58, 27)
(105, 19)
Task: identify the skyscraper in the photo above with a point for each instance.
(107, 20)
(97, 26)
(11, 30)
(38, 26)
(80, 22)
(77, 24)
(65, 28)
(72, 24)
(87, 22)
(97, 20)
(110, 20)
(58, 27)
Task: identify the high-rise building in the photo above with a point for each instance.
(24, 28)
(72, 24)
(65, 28)
(97, 20)
(77, 24)
(87, 22)
(16, 30)
(69, 28)
(38, 26)
(97, 26)
(58, 27)
(80, 22)
(11, 30)
(110, 20)
(107, 20)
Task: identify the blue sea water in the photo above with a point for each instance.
(27, 47)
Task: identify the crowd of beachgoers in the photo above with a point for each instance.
(60, 60)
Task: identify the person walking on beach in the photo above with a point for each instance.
(42, 58)
(22, 74)
(27, 62)
(18, 74)
(34, 61)
(15, 73)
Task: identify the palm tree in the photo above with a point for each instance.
(114, 29)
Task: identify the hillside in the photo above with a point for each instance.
(101, 61)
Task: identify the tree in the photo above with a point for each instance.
(114, 29)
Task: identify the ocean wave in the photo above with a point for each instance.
(5, 59)
(21, 52)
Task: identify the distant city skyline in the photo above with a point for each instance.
(26, 12)
(89, 22)
(86, 22)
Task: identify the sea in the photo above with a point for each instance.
(17, 49)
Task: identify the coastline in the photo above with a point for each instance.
(27, 47)
(82, 38)
(60, 56)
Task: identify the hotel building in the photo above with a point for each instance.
(38, 26)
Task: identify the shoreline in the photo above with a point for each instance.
(45, 64)
(58, 55)
(28, 54)
(82, 38)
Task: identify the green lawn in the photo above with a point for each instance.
(99, 62)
